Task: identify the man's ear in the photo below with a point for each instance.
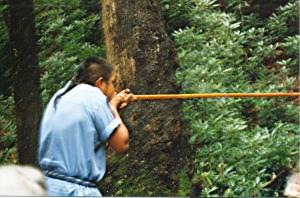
(99, 82)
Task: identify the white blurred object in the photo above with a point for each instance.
(293, 186)
(17, 180)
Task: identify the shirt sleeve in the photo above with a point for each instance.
(104, 120)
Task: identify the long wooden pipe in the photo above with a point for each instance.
(214, 95)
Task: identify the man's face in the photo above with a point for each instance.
(109, 89)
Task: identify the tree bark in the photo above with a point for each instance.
(26, 77)
(146, 61)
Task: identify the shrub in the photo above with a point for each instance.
(241, 143)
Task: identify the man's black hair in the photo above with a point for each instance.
(88, 72)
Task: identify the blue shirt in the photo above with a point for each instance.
(73, 135)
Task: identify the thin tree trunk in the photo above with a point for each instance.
(26, 77)
(146, 60)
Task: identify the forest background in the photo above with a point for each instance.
(240, 147)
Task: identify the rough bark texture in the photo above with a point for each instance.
(145, 58)
(26, 77)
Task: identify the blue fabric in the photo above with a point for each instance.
(58, 187)
(72, 138)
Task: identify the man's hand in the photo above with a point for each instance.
(122, 99)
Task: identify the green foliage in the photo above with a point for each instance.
(67, 33)
(7, 131)
(7, 120)
(240, 143)
(5, 73)
(66, 36)
(290, 46)
(139, 183)
(3, 29)
(185, 185)
(176, 13)
(280, 22)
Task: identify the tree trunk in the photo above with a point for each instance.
(146, 60)
(26, 75)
